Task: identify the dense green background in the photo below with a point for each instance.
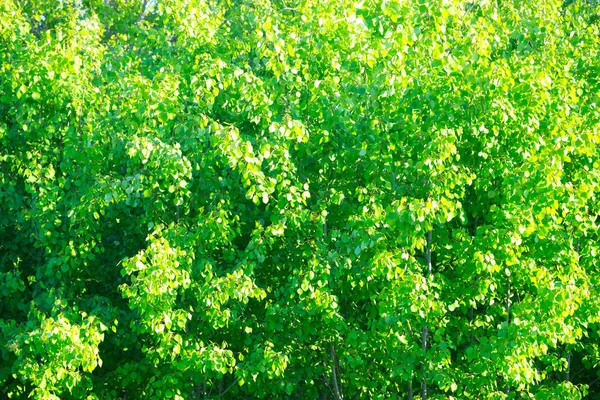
(299, 199)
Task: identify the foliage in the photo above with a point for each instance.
(299, 199)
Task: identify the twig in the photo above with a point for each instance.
(338, 395)
(229, 387)
(142, 13)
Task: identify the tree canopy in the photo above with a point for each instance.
(299, 199)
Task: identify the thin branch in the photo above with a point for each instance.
(424, 334)
(229, 387)
(568, 373)
(142, 13)
(425, 331)
(338, 395)
(429, 253)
